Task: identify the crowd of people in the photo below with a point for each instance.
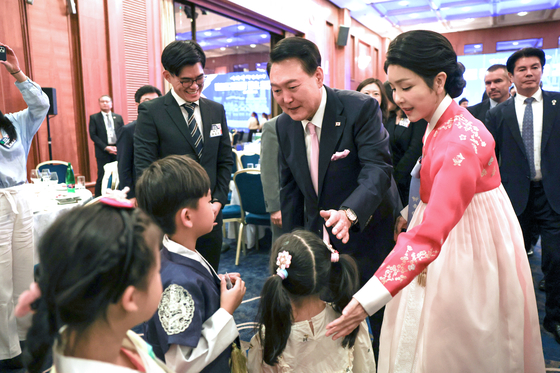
(397, 205)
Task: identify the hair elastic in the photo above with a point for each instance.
(335, 256)
(283, 262)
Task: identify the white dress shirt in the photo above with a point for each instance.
(317, 120)
(197, 115)
(218, 332)
(537, 107)
(110, 127)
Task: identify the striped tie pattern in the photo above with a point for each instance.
(193, 128)
(527, 135)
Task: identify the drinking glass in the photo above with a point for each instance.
(54, 179)
(81, 184)
(46, 176)
(250, 165)
(35, 177)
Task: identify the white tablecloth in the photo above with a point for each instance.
(46, 209)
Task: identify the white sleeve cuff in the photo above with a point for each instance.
(373, 295)
(404, 213)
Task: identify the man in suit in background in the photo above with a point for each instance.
(183, 122)
(125, 142)
(270, 176)
(103, 127)
(527, 133)
(497, 84)
(335, 165)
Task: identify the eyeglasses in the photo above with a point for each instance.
(188, 82)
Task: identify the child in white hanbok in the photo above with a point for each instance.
(98, 277)
(293, 316)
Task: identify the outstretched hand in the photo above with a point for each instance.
(352, 315)
(11, 64)
(340, 223)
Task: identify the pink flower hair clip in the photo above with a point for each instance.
(26, 299)
(335, 256)
(283, 262)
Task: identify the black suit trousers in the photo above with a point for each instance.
(539, 215)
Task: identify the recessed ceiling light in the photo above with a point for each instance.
(515, 43)
(241, 27)
(522, 14)
(253, 45)
(217, 28)
(222, 48)
(229, 40)
(525, 1)
(208, 33)
(202, 43)
(264, 36)
(466, 9)
(478, 46)
(413, 15)
(403, 3)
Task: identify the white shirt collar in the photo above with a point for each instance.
(317, 119)
(443, 105)
(179, 100)
(537, 96)
(493, 103)
(179, 249)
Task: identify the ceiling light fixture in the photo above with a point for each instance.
(222, 48)
(217, 29)
(229, 40)
(466, 9)
(241, 27)
(403, 3)
(253, 45)
(413, 15)
(264, 36)
(522, 14)
(208, 33)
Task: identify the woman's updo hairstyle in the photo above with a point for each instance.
(428, 53)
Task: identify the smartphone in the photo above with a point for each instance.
(2, 53)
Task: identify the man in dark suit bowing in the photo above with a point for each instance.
(527, 133)
(125, 143)
(335, 165)
(103, 128)
(183, 122)
(497, 83)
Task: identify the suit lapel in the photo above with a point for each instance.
(206, 115)
(102, 128)
(549, 117)
(510, 119)
(331, 130)
(176, 115)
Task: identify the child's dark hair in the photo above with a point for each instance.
(88, 258)
(168, 185)
(310, 273)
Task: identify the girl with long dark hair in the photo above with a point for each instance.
(292, 315)
(457, 285)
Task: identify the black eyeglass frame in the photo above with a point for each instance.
(188, 82)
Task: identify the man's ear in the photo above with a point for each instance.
(128, 300)
(184, 218)
(167, 75)
(320, 76)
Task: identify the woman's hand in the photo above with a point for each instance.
(400, 224)
(11, 64)
(352, 316)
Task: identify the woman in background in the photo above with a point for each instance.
(405, 138)
(253, 125)
(374, 88)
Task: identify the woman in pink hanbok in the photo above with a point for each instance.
(457, 285)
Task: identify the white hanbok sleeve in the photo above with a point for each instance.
(218, 332)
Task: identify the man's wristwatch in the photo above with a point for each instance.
(351, 215)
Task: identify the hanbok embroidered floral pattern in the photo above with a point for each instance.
(408, 266)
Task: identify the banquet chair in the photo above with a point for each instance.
(236, 162)
(59, 167)
(250, 158)
(251, 201)
(110, 177)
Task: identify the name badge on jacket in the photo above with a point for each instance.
(216, 130)
(7, 142)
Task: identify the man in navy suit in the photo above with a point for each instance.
(497, 83)
(527, 134)
(125, 142)
(103, 127)
(183, 122)
(351, 193)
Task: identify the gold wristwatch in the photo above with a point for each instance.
(351, 215)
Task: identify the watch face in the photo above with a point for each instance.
(351, 215)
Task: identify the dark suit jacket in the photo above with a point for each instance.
(161, 130)
(125, 157)
(479, 110)
(514, 168)
(360, 181)
(269, 166)
(406, 148)
(98, 132)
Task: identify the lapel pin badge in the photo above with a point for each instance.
(337, 124)
(553, 102)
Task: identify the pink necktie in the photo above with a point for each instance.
(314, 169)
(314, 161)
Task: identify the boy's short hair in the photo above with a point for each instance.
(168, 185)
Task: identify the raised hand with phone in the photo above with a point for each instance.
(10, 61)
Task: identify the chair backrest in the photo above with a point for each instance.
(59, 167)
(236, 161)
(250, 158)
(110, 177)
(249, 186)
